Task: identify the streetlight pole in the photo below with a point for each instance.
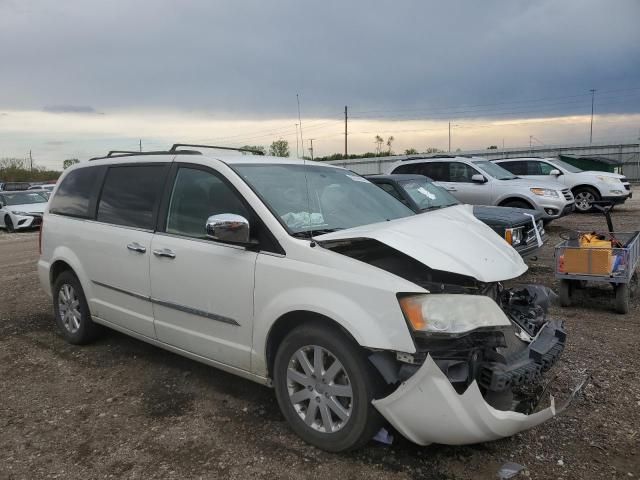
(593, 96)
(449, 137)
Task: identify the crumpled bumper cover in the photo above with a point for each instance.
(427, 409)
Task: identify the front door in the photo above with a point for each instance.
(201, 290)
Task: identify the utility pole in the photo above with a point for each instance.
(140, 144)
(530, 142)
(297, 146)
(300, 123)
(30, 162)
(345, 131)
(311, 149)
(449, 136)
(593, 96)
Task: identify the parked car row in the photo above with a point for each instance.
(356, 308)
(21, 210)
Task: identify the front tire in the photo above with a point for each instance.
(584, 198)
(324, 385)
(72, 311)
(8, 223)
(517, 204)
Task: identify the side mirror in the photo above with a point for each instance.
(228, 228)
(555, 172)
(477, 178)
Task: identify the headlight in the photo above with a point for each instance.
(609, 180)
(545, 192)
(24, 214)
(450, 314)
(513, 236)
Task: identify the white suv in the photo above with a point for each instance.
(307, 278)
(587, 187)
(477, 181)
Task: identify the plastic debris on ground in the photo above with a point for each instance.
(383, 436)
(510, 470)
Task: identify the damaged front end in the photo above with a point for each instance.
(481, 352)
(476, 386)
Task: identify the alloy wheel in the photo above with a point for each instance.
(69, 308)
(319, 389)
(584, 200)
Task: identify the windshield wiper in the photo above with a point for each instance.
(319, 231)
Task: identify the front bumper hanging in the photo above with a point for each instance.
(427, 409)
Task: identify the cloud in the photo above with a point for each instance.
(250, 57)
(69, 109)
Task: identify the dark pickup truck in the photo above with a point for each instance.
(420, 194)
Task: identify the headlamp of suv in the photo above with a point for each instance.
(451, 314)
(609, 180)
(23, 214)
(545, 192)
(514, 236)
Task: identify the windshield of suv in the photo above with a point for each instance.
(567, 166)
(22, 198)
(337, 198)
(427, 195)
(494, 170)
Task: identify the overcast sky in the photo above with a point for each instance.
(78, 76)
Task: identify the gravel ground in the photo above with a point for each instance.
(120, 408)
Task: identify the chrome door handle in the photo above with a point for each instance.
(136, 247)
(451, 189)
(164, 252)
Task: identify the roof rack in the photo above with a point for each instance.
(176, 146)
(133, 153)
(425, 157)
(172, 151)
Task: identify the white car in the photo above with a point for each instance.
(587, 186)
(306, 278)
(21, 209)
(477, 181)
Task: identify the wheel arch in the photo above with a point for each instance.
(57, 268)
(287, 322)
(585, 186)
(512, 198)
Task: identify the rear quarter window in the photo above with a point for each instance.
(131, 194)
(76, 192)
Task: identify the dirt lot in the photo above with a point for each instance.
(123, 409)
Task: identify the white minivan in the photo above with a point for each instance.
(309, 279)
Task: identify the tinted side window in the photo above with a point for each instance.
(76, 191)
(197, 195)
(438, 171)
(130, 195)
(410, 168)
(517, 168)
(461, 172)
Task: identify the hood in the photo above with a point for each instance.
(29, 207)
(450, 240)
(505, 216)
(601, 174)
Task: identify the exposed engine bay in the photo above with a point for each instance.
(507, 363)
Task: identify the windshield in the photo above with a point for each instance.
(494, 170)
(427, 195)
(337, 198)
(22, 198)
(566, 166)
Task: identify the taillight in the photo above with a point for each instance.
(40, 236)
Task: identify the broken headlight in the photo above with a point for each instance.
(451, 314)
(514, 236)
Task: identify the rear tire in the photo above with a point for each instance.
(72, 311)
(584, 198)
(329, 410)
(622, 298)
(565, 293)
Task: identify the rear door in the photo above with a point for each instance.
(202, 290)
(117, 254)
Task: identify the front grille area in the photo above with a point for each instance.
(567, 194)
(530, 235)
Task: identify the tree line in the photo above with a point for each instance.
(19, 170)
